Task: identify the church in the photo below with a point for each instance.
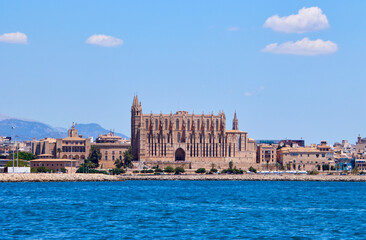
(189, 140)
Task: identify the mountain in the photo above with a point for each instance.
(27, 130)
(93, 130)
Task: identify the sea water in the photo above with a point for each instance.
(183, 210)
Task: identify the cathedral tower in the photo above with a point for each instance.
(235, 123)
(136, 112)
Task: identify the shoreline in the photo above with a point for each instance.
(80, 177)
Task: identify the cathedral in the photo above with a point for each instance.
(189, 140)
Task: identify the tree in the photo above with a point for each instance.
(201, 170)
(355, 171)
(231, 164)
(179, 170)
(252, 169)
(23, 155)
(95, 155)
(169, 169)
(43, 169)
(279, 166)
(158, 170)
(126, 161)
(213, 166)
(21, 163)
(117, 171)
(313, 172)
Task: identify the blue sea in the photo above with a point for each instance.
(183, 210)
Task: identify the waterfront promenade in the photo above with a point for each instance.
(48, 177)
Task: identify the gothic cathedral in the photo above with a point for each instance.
(194, 141)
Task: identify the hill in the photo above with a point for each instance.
(27, 130)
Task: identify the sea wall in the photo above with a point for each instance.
(49, 177)
(55, 177)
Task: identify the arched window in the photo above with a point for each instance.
(156, 124)
(147, 124)
(178, 137)
(200, 138)
(198, 124)
(209, 137)
(217, 125)
(208, 124)
(177, 125)
(189, 125)
(166, 124)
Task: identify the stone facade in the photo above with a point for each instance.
(55, 164)
(267, 156)
(360, 154)
(189, 140)
(112, 148)
(44, 148)
(72, 147)
(360, 148)
(306, 158)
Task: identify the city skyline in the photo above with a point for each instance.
(64, 62)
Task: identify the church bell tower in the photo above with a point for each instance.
(136, 113)
(235, 122)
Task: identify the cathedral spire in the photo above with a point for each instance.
(235, 122)
(135, 103)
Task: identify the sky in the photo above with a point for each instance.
(290, 69)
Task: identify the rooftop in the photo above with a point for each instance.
(52, 160)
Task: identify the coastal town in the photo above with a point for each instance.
(180, 143)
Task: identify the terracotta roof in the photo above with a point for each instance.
(51, 140)
(54, 160)
(301, 150)
(74, 138)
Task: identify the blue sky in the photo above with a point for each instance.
(189, 55)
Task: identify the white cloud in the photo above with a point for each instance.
(306, 20)
(254, 92)
(104, 40)
(16, 38)
(233, 29)
(303, 47)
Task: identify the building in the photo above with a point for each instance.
(286, 142)
(44, 148)
(360, 154)
(267, 156)
(360, 148)
(315, 157)
(111, 147)
(189, 140)
(74, 146)
(6, 146)
(343, 155)
(56, 164)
